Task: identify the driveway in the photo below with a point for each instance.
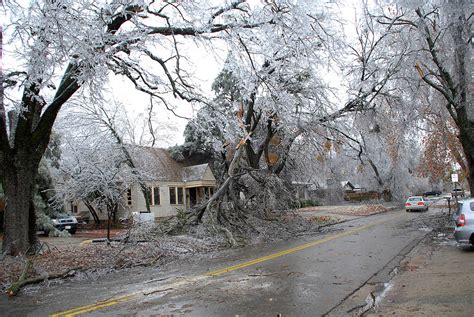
(81, 236)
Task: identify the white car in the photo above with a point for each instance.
(416, 203)
(464, 222)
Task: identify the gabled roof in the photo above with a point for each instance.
(160, 166)
(194, 173)
(347, 183)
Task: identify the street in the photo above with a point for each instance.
(308, 276)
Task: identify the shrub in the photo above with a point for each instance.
(308, 203)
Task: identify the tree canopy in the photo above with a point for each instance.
(296, 83)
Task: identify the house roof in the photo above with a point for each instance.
(347, 183)
(160, 166)
(194, 173)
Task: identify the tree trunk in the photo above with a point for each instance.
(461, 32)
(19, 184)
(92, 211)
(30, 135)
(376, 172)
(466, 137)
(111, 211)
(109, 218)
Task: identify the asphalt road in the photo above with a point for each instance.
(309, 276)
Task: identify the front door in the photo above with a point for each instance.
(192, 197)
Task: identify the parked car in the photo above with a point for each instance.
(464, 221)
(416, 203)
(63, 222)
(457, 192)
(432, 193)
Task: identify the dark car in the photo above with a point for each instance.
(433, 193)
(457, 192)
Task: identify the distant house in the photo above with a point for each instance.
(348, 187)
(172, 185)
(359, 189)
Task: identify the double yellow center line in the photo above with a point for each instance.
(129, 297)
(289, 251)
(95, 306)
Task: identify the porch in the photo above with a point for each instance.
(198, 194)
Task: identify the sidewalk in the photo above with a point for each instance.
(435, 279)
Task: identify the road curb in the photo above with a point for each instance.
(370, 292)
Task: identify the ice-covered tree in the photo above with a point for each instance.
(96, 171)
(441, 37)
(64, 48)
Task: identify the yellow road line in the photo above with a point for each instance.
(125, 298)
(292, 250)
(103, 305)
(85, 242)
(77, 310)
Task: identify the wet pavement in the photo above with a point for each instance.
(309, 276)
(435, 279)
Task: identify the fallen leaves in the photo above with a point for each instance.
(347, 210)
(324, 219)
(89, 258)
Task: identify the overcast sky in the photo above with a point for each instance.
(204, 65)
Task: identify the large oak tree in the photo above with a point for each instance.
(86, 41)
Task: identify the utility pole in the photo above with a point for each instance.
(449, 206)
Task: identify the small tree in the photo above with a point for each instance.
(97, 172)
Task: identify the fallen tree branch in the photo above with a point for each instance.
(22, 281)
(261, 275)
(15, 288)
(230, 236)
(158, 291)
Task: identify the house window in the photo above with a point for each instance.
(206, 192)
(173, 195)
(156, 195)
(129, 196)
(212, 190)
(180, 195)
(73, 208)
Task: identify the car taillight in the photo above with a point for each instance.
(421, 203)
(407, 205)
(461, 221)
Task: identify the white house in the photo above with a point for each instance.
(172, 185)
(347, 186)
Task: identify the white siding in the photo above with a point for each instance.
(208, 175)
(162, 210)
